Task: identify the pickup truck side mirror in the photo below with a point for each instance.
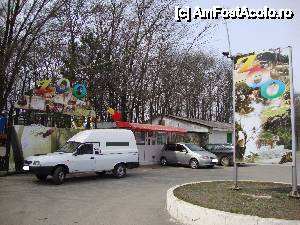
(96, 152)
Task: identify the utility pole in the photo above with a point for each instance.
(294, 192)
(235, 167)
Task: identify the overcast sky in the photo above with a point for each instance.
(250, 35)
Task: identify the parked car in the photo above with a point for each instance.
(187, 154)
(224, 152)
(98, 150)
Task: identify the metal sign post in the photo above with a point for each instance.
(235, 170)
(235, 167)
(294, 192)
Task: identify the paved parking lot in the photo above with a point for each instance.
(138, 199)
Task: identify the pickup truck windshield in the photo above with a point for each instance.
(194, 148)
(69, 147)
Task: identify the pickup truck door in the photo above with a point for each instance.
(83, 160)
(99, 157)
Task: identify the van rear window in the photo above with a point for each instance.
(108, 144)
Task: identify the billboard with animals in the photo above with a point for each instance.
(263, 128)
(59, 97)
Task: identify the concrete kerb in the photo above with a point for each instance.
(3, 173)
(10, 173)
(190, 214)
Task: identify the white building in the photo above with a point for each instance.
(199, 131)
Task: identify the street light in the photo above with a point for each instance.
(226, 54)
(229, 55)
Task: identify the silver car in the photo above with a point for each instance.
(187, 154)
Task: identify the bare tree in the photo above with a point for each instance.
(134, 57)
(21, 23)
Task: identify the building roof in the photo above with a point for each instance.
(210, 124)
(150, 127)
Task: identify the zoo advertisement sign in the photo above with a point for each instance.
(59, 97)
(263, 124)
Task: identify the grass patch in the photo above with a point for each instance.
(267, 200)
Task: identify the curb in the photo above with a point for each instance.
(190, 214)
(11, 173)
(3, 173)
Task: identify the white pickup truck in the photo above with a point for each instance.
(98, 150)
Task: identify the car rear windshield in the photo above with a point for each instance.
(69, 147)
(194, 148)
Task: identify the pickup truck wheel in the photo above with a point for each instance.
(225, 161)
(194, 164)
(41, 177)
(59, 175)
(119, 170)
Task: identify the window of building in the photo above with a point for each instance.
(151, 134)
(140, 138)
(229, 138)
(161, 138)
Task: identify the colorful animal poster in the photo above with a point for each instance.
(58, 98)
(23, 102)
(262, 86)
(37, 102)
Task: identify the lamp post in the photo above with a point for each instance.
(294, 192)
(231, 57)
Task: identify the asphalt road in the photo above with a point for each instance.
(138, 199)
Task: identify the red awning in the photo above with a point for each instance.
(150, 127)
